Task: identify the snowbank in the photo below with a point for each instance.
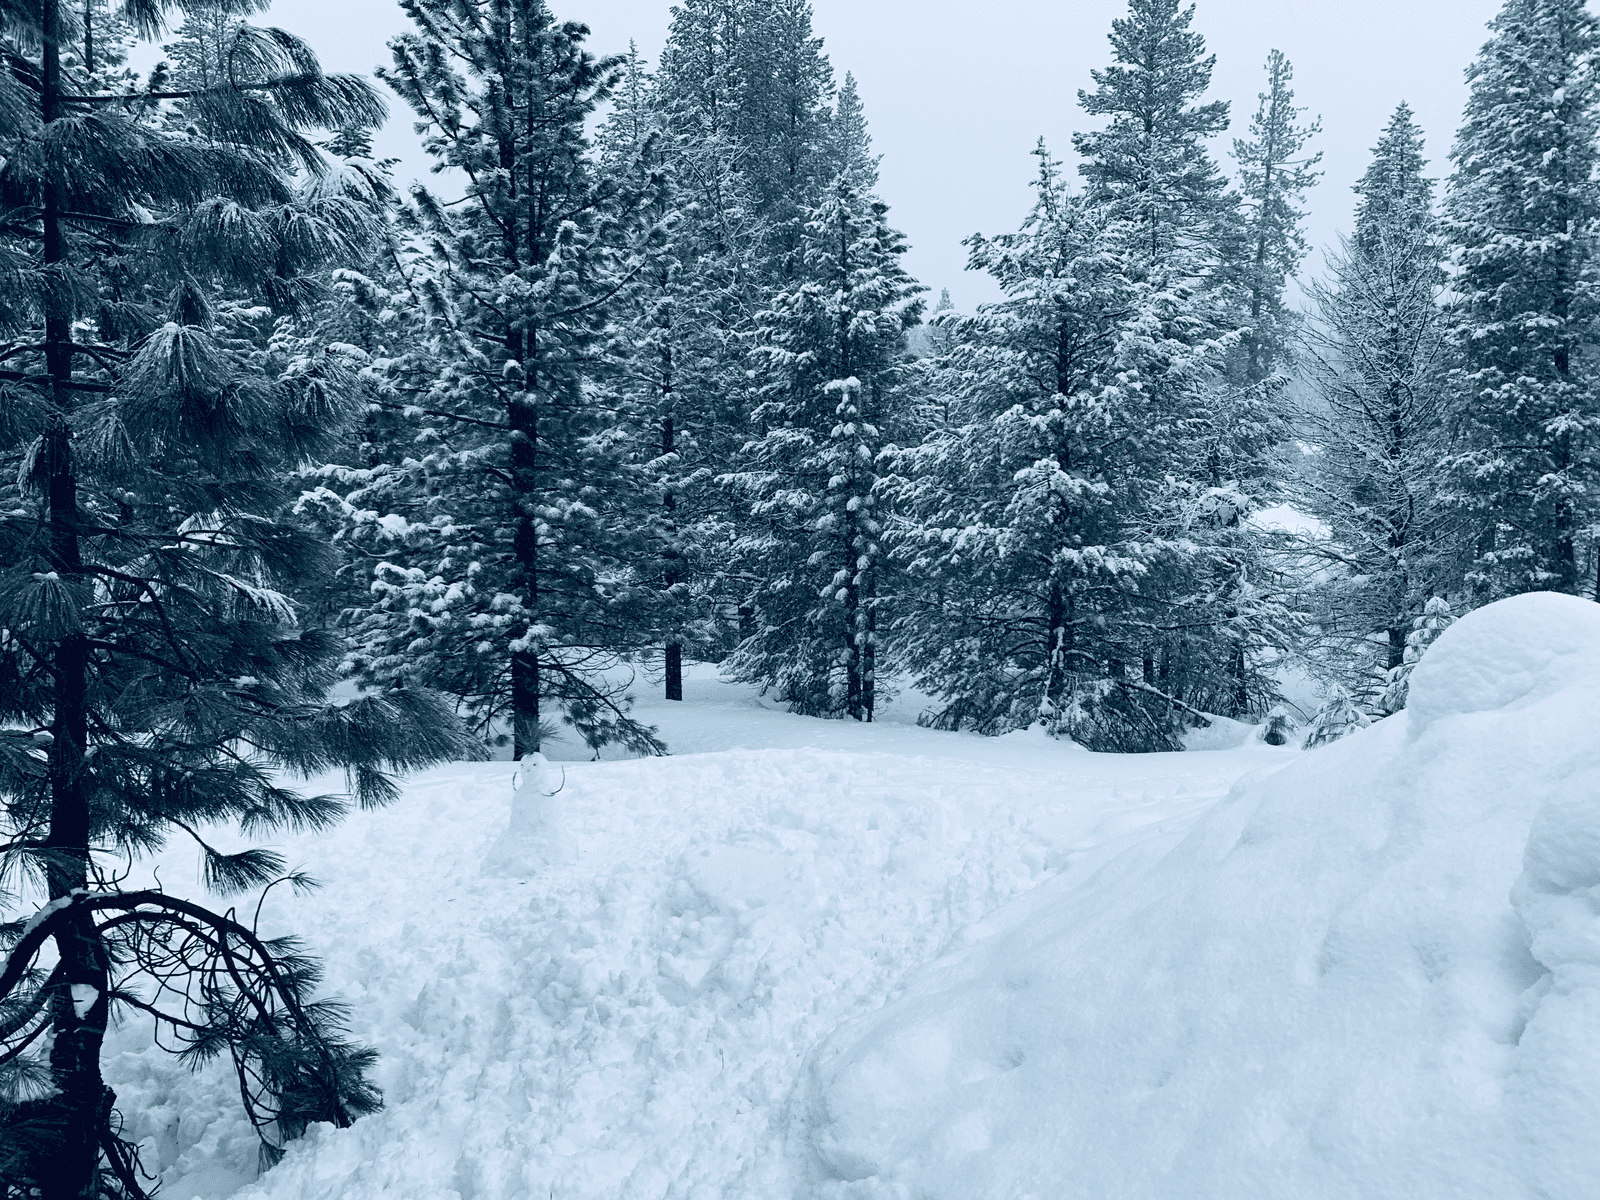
(606, 989)
(1375, 973)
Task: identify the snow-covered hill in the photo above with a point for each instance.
(819, 960)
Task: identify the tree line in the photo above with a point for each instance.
(668, 392)
(643, 381)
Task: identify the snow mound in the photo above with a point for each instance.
(600, 980)
(1374, 972)
(1507, 656)
(1223, 733)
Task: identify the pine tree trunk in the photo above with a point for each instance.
(1564, 520)
(1058, 647)
(852, 622)
(1397, 647)
(869, 654)
(524, 412)
(1241, 683)
(82, 1098)
(525, 545)
(674, 654)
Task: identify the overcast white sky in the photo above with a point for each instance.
(957, 92)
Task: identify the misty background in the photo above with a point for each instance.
(957, 93)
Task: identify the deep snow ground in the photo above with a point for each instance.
(825, 962)
(628, 1014)
(1374, 973)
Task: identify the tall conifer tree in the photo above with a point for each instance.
(1080, 512)
(831, 348)
(1274, 174)
(1150, 162)
(1521, 214)
(154, 678)
(516, 530)
(1377, 359)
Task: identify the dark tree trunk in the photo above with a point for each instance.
(525, 545)
(1241, 683)
(869, 665)
(524, 411)
(1058, 647)
(852, 622)
(669, 501)
(82, 1099)
(674, 671)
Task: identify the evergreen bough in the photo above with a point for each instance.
(154, 678)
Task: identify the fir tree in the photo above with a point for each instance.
(831, 348)
(849, 145)
(1379, 425)
(510, 583)
(718, 244)
(1184, 236)
(652, 314)
(1033, 519)
(1150, 162)
(783, 128)
(1521, 217)
(153, 675)
(1274, 175)
(680, 347)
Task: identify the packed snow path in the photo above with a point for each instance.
(903, 965)
(628, 1015)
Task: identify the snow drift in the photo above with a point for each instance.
(1374, 972)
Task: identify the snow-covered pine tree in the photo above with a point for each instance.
(1520, 216)
(1241, 421)
(830, 351)
(782, 129)
(517, 522)
(652, 340)
(1021, 514)
(1338, 717)
(1436, 617)
(1182, 231)
(1149, 163)
(1275, 171)
(153, 676)
(683, 329)
(1378, 425)
(847, 149)
(1080, 515)
(712, 89)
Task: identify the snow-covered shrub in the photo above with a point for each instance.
(1425, 630)
(1338, 717)
(1280, 727)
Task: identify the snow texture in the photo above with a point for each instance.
(900, 963)
(1348, 978)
